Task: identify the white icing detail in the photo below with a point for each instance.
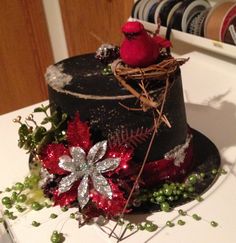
(55, 76)
(95, 97)
(178, 153)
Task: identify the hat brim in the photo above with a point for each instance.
(206, 158)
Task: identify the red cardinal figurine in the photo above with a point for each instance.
(139, 49)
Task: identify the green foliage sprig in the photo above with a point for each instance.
(33, 137)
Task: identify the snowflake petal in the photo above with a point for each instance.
(83, 192)
(66, 183)
(108, 164)
(78, 155)
(101, 185)
(97, 152)
(65, 162)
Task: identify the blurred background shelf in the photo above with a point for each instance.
(191, 41)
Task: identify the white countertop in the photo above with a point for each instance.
(210, 93)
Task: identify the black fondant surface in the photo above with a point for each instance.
(107, 116)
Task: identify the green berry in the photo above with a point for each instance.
(214, 171)
(20, 209)
(6, 200)
(72, 216)
(223, 171)
(150, 227)
(160, 198)
(14, 196)
(199, 199)
(182, 213)
(53, 216)
(165, 207)
(191, 189)
(36, 206)
(168, 191)
(56, 237)
(140, 227)
(21, 198)
(192, 179)
(196, 217)
(130, 226)
(171, 198)
(64, 209)
(19, 186)
(8, 206)
(214, 224)
(170, 224)
(35, 224)
(181, 222)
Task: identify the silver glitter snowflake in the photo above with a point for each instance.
(86, 167)
(56, 77)
(178, 153)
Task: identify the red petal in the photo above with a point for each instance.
(66, 198)
(50, 158)
(78, 133)
(111, 207)
(121, 152)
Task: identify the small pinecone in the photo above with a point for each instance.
(107, 53)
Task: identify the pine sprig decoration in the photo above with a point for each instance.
(130, 138)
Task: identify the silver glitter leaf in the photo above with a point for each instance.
(101, 185)
(66, 183)
(45, 177)
(107, 164)
(83, 192)
(78, 155)
(97, 152)
(65, 162)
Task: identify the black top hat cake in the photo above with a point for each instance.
(135, 107)
(119, 141)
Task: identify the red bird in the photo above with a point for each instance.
(139, 49)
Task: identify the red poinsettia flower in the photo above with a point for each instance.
(61, 160)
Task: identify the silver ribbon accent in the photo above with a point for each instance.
(87, 167)
(178, 153)
(55, 76)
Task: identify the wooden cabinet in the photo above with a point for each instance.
(25, 49)
(25, 52)
(89, 23)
